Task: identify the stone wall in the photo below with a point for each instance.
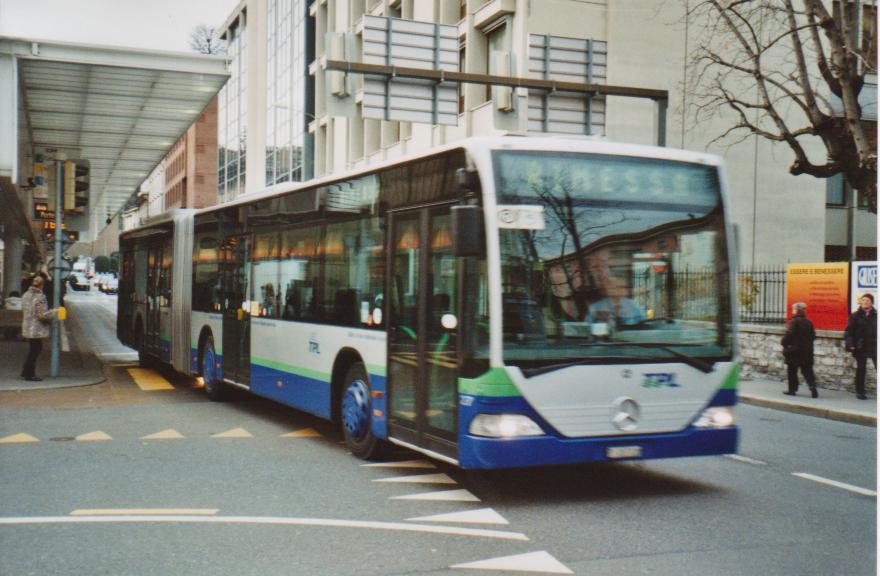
(761, 354)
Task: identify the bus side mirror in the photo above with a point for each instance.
(467, 230)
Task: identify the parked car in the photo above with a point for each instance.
(110, 285)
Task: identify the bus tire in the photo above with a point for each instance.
(356, 414)
(214, 388)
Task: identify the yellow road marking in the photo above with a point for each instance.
(164, 435)
(17, 439)
(234, 433)
(144, 511)
(304, 433)
(149, 380)
(92, 436)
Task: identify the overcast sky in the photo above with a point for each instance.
(153, 24)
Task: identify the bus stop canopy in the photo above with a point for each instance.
(119, 108)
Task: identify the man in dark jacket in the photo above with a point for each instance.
(861, 340)
(797, 348)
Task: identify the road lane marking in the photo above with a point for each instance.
(745, 459)
(234, 433)
(145, 512)
(149, 380)
(482, 516)
(93, 436)
(304, 433)
(267, 521)
(18, 439)
(169, 434)
(441, 496)
(401, 464)
(535, 562)
(835, 483)
(420, 479)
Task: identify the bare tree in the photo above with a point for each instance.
(791, 71)
(206, 40)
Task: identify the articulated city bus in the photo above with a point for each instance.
(498, 302)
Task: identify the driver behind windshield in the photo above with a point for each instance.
(616, 307)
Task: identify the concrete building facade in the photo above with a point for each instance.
(276, 123)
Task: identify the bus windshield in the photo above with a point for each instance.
(611, 259)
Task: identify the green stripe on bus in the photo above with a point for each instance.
(376, 370)
(731, 381)
(298, 370)
(495, 382)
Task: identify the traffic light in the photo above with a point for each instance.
(76, 185)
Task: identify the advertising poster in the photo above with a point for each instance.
(863, 281)
(825, 290)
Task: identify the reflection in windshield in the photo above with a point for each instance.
(632, 252)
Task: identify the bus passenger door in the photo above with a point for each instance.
(152, 327)
(422, 336)
(236, 310)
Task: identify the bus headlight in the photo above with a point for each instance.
(716, 417)
(504, 426)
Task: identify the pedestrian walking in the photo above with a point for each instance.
(35, 324)
(797, 349)
(861, 340)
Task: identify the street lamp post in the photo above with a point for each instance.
(56, 271)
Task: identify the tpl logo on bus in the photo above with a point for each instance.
(867, 276)
(660, 380)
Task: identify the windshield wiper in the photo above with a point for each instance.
(529, 372)
(698, 363)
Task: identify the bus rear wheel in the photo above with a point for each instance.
(357, 414)
(213, 386)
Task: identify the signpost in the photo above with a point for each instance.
(824, 288)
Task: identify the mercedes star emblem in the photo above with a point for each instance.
(625, 414)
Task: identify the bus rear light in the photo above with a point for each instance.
(716, 417)
(504, 426)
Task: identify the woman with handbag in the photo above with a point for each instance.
(797, 349)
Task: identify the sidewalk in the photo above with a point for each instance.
(78, 366)
(831, 404)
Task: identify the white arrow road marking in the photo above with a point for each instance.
(93, 436)
(304, 433)
(420, 479)
(169, 434)
(401, 464)
(835, 483)
(745, 459)
(483, 516)
(267, 520)
(442, 496)
(234, 433)
(541, 562)
(17, 439)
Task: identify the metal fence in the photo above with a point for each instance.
(761, 294)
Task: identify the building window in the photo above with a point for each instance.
(835, 192)
(496, 41)
(462, 55)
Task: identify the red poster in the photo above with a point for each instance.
(825, 290)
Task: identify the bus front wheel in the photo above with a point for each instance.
(357, 414)
(213, 386)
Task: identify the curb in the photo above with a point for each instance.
(827, 413)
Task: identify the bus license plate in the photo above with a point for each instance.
(624, 451)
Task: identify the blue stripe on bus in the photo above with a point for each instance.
(310, 394)
(482, 452)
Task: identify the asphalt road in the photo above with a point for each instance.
(165, 482)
